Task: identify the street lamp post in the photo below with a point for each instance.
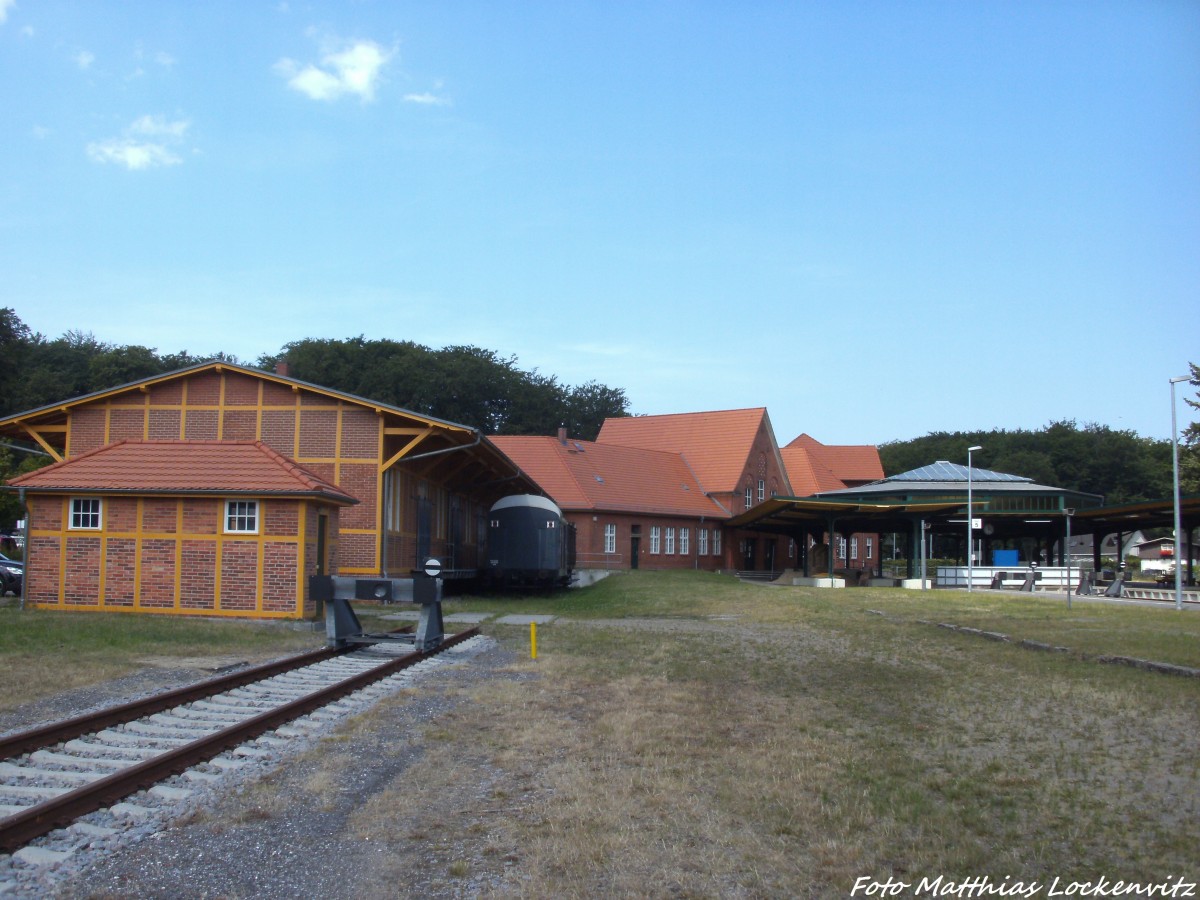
(970, 522)
(1175, 493)
(1069, 511)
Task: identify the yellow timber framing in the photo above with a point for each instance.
(139, 535)
(28, 420)
(140, 396)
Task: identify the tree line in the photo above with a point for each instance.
(462, 384)
(1120, 465)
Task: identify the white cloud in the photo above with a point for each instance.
(149, 142)
(5, 6)
(354, 70)
(84, 59)
(157, 126)
(426, 99)
(131, 154)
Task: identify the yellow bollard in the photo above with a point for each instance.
(533, 640)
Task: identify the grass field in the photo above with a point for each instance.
(687, 735)
(690, 735)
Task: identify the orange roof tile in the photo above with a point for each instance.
(813, 466)
(584, 475)
(715, 444)
(182, 467)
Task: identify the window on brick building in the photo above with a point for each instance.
(841, 548)
(241, 517)
(670, 540)
(716, 542)
(703, 537)
(762, 490)
(610, 538)
(749, 496)
(654, 538)
(85, 513)
(854, 548)
(870, 547)
(685, 539)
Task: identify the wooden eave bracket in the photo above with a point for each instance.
(418, 435)
(45, 446)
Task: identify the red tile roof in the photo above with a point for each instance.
(715, 444)
(582, 475)
(813, 466)
(183, 467)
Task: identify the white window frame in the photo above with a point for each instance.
(716, 541)
(749, 496)
(870, 547)
(87, 514)
(655, 537)
(685, 540)
(854, 547)
(670, 547)
(762, 490)
(610, 538)
(242, 517)
(841, 548)
(703, 538)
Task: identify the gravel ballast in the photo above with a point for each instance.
(250, 827)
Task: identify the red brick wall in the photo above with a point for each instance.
(120, 572)
(239, 574)
(171, 554)
(589, 542)
(239, 425)
(87, 429)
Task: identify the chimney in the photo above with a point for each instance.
(281, 368)
(562, 434)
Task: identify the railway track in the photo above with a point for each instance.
(53, 775)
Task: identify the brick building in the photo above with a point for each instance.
(655, 491)
(212, 527)
(631, 508)
(423, 486)
(814, 467)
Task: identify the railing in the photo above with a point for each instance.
(1049, 578)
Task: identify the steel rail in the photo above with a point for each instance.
(25, 826)
(68, 729)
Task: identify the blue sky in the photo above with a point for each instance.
(877, 219)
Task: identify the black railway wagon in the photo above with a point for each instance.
(529, 543)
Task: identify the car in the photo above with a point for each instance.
(11, 573)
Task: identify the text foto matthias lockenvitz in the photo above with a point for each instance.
(985, 886)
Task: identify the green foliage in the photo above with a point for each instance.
(463, 384)
(1120, 465)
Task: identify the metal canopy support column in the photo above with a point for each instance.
(913, 539)
(832, 523)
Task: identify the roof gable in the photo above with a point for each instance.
(183, 467)
(846, 464)
(716, 445)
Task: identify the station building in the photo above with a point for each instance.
(659, 491)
